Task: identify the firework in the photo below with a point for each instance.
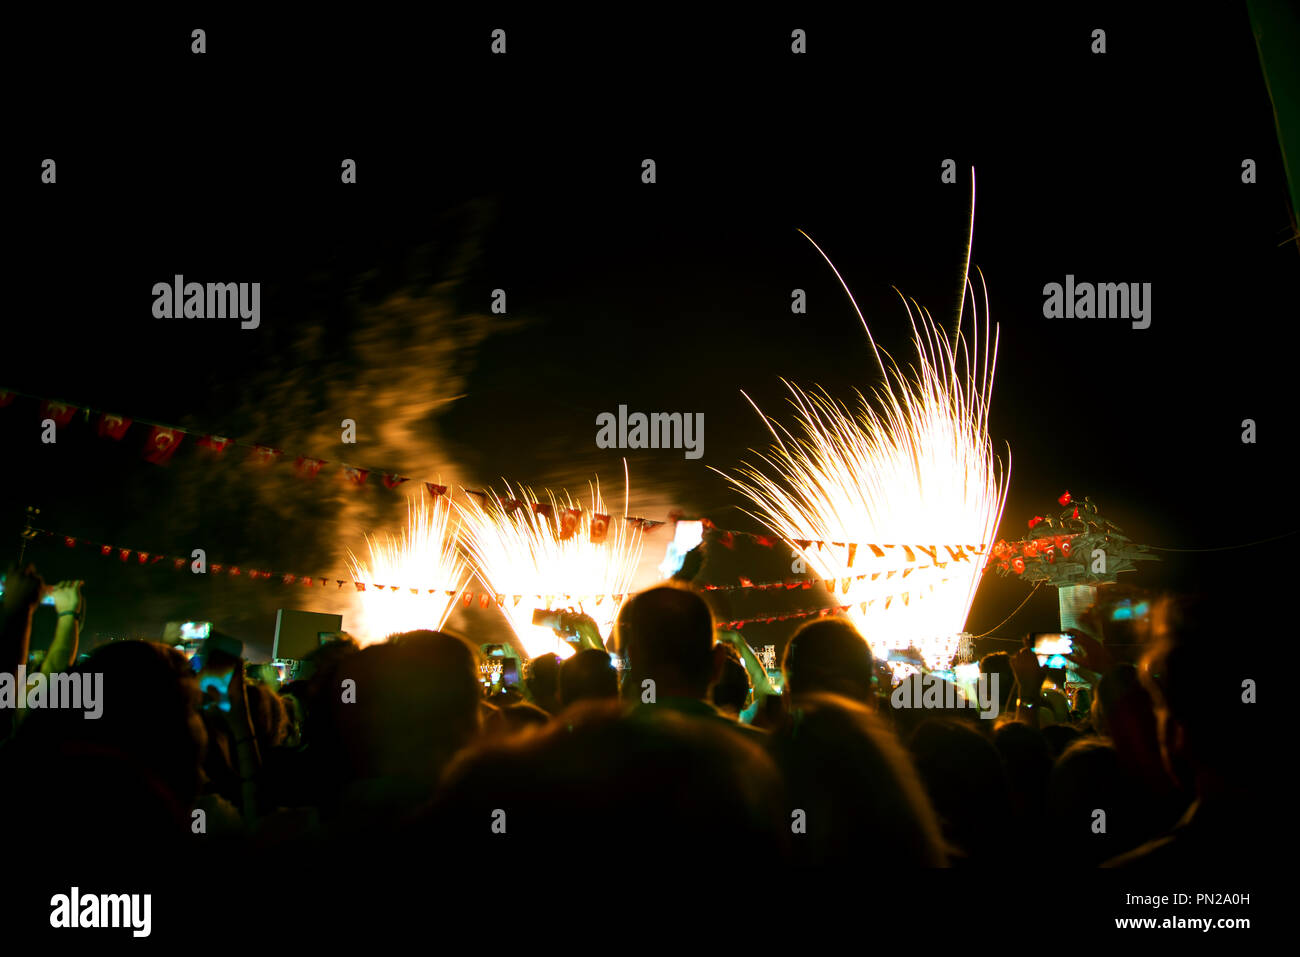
(518, 553)
(914, 466)
(424, 564)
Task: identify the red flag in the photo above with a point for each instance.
(355, 475)
(599, 528)
(124, 553)
(288, 579)
(1035, 520)
(360, 586)
(178, 563)
(569, 522)
(392, 481)
(216, 569)
(105, 549)
(215, 443)
(469, 597)
(308, 468)
(143, 557)
(307, 582)
(60, 412)
(112, 426)
(435, 490)
(265, 455)
(727, 540)
(512, 505)
(1065, 498)
(484, 600)
(161, 444)
(482, 496)
(234, 570)
(69, 541)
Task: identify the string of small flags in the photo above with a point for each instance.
(956, 553)
(885, 601)
(163, 440)
(138, 557)
(792, 584)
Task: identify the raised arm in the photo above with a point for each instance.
(71, 607)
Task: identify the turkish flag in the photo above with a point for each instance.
(545, 510)
(599, 528)
(512, 505)
(569, 522)
(216, 443)
(112, 426)
(60, 412)
(355, 475)
(162, 444)
(392, 481)
(308, 468)
(435, 490)
(265, 455)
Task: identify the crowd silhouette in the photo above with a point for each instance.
(686, 753)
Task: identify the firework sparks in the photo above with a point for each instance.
(424, 564)
(520, 554)
(913, 467)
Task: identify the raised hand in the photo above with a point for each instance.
(68, 597)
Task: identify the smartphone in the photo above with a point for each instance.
(560, 621)
(47, 592)
(216, 690)
(1052, 643)
(509, 672)
(195, 630)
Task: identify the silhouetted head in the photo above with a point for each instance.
(588, 675)
(732, 689)
(999, 663)
(401, 709)
(1200, 684)
(667, 635)
(544, 682)
(138, 762)
(964, 777)
(861, 800)
(828, 656)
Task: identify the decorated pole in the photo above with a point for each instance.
(28, 533)
(1078, 552)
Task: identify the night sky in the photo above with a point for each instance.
(524, 173)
